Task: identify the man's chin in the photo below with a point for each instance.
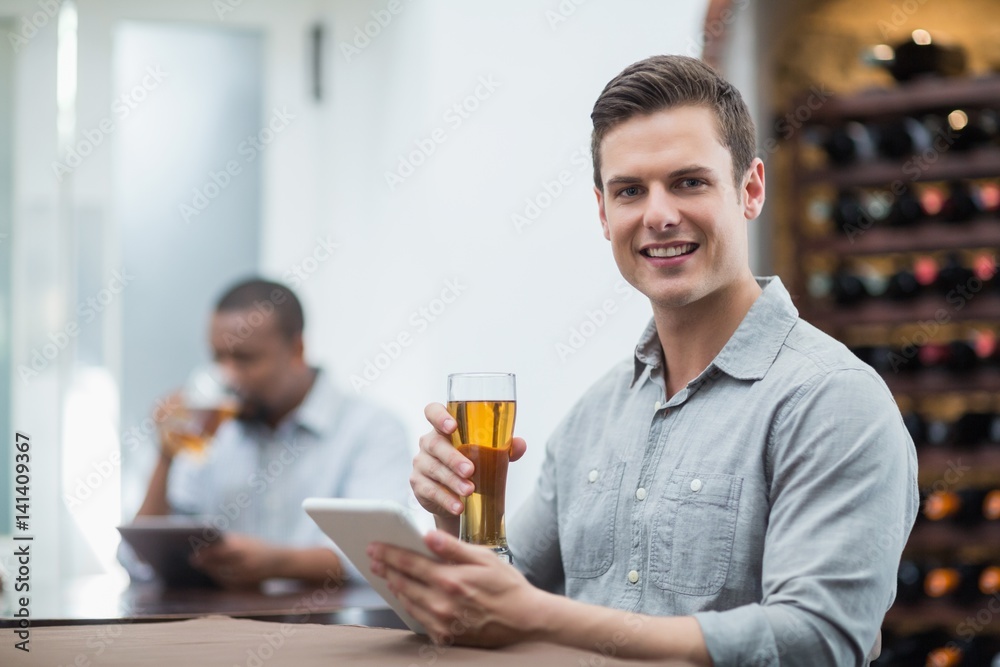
(251, 413)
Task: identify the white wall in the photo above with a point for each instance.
(523, 290)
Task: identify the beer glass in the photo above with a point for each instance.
(206, 402)
(483, 405)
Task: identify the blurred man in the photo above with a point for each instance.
(737, 492)
(296, 436)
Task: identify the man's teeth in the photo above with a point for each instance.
(671, 252)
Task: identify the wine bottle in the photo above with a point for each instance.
(848, 289)
(902, 286)
(850, 143)
(953, 275)
(961, 358)
(909, 582)
(972, 428)
(957, 582)
(916, 427)
(922, 56)
(962, 203)
(962, 507)
(903, 137)
(979, 651)
(906, 209)
(848, 214)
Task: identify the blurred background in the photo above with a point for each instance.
(378, 155)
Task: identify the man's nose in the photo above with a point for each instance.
(661, 209)
(228, 374)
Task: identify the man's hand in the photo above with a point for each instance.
(440, 477)
(170, 443)
(238, 561)
(473, 598)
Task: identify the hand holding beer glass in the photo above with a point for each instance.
(205, 403)
(483, 406)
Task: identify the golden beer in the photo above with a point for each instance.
(197, 426)
(484, 432)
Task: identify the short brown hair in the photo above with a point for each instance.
(664, 82)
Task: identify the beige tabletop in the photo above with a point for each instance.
(228, 642)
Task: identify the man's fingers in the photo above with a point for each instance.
(452, 550)
(440, 418)
(444, 464)
(517, 448)
(434, 497)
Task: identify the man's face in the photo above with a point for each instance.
(258, 360)
(675, 219)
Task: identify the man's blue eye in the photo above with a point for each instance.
(630, 191)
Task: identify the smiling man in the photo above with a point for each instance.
(737, 492)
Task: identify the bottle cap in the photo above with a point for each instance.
(941, 505)
(941, 581)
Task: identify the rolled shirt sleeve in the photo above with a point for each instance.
(843, 498)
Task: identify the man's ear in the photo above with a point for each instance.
(602, 213)
(298, 348)
(753, 190)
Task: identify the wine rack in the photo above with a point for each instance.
(867, 247)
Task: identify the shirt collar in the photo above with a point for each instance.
(318, 409)
(751, 349)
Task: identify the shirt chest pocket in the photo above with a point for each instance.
(587, 524)
(693, 532)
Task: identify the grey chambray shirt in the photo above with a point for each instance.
(770, 498)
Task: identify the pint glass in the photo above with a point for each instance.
(483, 405)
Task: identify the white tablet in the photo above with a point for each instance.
(354, 524)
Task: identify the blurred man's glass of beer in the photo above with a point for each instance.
(204, 404)
(483, 405)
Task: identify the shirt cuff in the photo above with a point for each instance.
(740, 636)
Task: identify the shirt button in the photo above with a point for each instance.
(640, 493)
(696, 485)
(592, 476)
(657, 405)
(633, 577)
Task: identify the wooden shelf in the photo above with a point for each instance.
(919, 96)
(936, 460)
(982, 306)
(978, 163)
(930, 236)
(936, 613)
(921, 383)
(933, 537)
